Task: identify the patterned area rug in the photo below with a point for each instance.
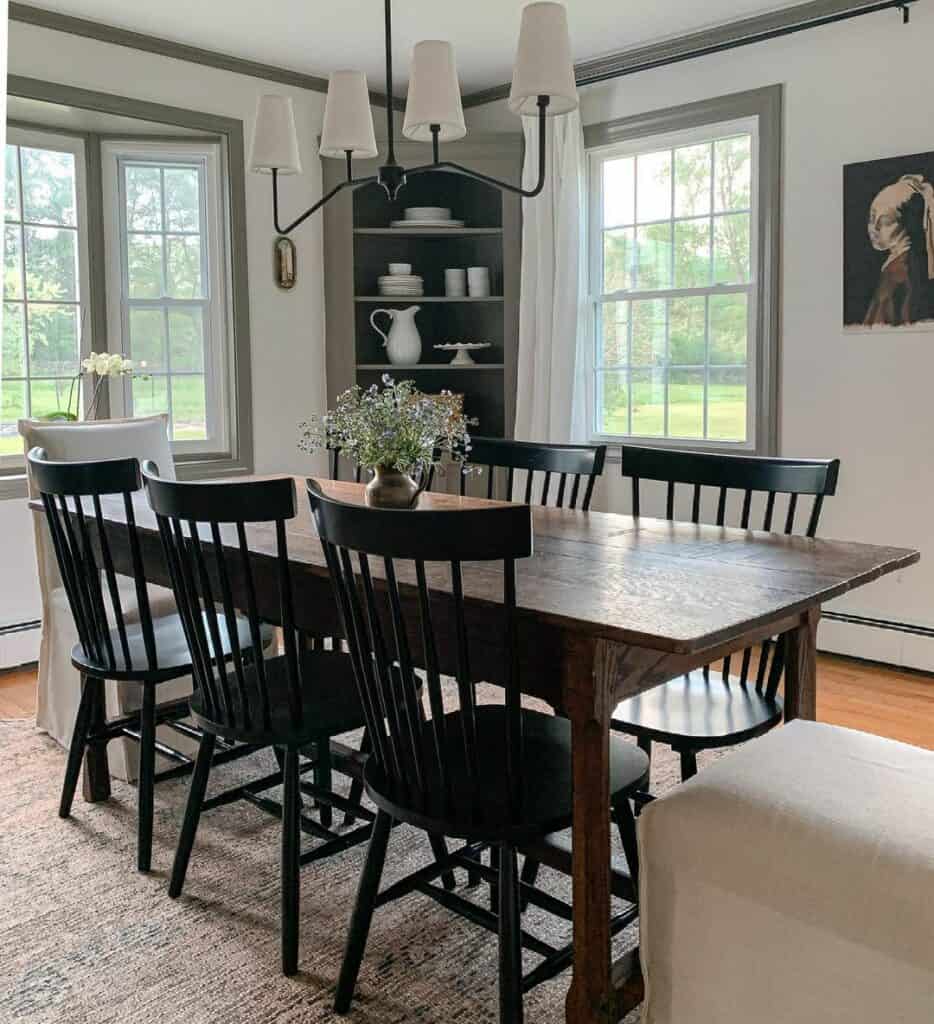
(84, 938)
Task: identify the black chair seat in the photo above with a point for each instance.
(696, 712)
(174, 658)
(545, 773)
(330, 704)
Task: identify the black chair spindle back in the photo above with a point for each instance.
(749, 475)
(84, 556)
(575, 467)
(203, 527)
(387, 608)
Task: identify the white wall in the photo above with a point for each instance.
(287, 328)
(855, 91)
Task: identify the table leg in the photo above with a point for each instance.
(591, 998)
(801, 668)
(95, 785)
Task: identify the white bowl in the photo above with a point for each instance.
(400, 268)
(427, 213)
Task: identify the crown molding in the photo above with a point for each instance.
(103, 33)
(744, 32)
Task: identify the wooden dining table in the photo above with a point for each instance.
(609, 606)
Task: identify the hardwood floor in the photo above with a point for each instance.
(18, 692)
(890, 702)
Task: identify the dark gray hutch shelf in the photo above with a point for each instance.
(359, 244)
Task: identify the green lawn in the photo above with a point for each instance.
(150, 396)
(726, 412)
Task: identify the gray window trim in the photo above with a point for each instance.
(230, 130)
(766, 105)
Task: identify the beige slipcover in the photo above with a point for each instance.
(59, 683)
(792, 882)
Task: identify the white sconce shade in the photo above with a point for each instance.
(275, 143)
(348, 119)
(434, 93)
(543, 62)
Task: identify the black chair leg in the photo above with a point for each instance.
(473, 877)
(79, 739)
(146, 781)
(494, 886)
(356, 787)
(626, 823)
(440, 849)
(354, 795)
(510, 944)
(323, 778)
(186, 839)
(367, 892)
(688, 764)
(291, 840)
(529, 876)
(645, 745)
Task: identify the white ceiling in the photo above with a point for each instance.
(318, 36)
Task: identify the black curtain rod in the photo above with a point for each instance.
(606, 72)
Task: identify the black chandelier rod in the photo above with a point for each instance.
(390, 128)
(393, 177)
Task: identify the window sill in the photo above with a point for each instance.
(13, 485)
(685, 445)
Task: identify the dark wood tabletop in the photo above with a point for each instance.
(674, 587)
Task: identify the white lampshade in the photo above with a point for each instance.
(543, 62)
(434, 93)
(348, 119)
(275, 143)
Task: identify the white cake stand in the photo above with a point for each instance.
(462, 350)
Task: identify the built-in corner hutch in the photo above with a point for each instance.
(359, 244)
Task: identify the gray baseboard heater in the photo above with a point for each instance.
(868, 620)
(20, 627)
(853, 620)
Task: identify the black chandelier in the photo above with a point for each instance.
(543, 85)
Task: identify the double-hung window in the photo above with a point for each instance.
(45, 291)
(168, 287)
(679, 339)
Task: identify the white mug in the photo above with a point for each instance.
(478, 281)
(455, 282)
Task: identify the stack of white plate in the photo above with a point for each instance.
(400, 285)
(427, 217)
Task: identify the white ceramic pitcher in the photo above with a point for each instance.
(403, 343)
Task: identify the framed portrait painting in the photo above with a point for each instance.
(888, 243)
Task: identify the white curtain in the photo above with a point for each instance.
(551, 395)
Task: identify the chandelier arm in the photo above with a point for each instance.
(526, 193)
(349, 183)
(391, 155)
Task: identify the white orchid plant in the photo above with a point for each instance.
(100, 366)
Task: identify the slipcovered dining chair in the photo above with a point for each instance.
(59, 685)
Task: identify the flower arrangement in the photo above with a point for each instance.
(101, 366)
(396, 427)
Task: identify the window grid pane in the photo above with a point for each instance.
(41, 347)
(674, 366)
(165, 302)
